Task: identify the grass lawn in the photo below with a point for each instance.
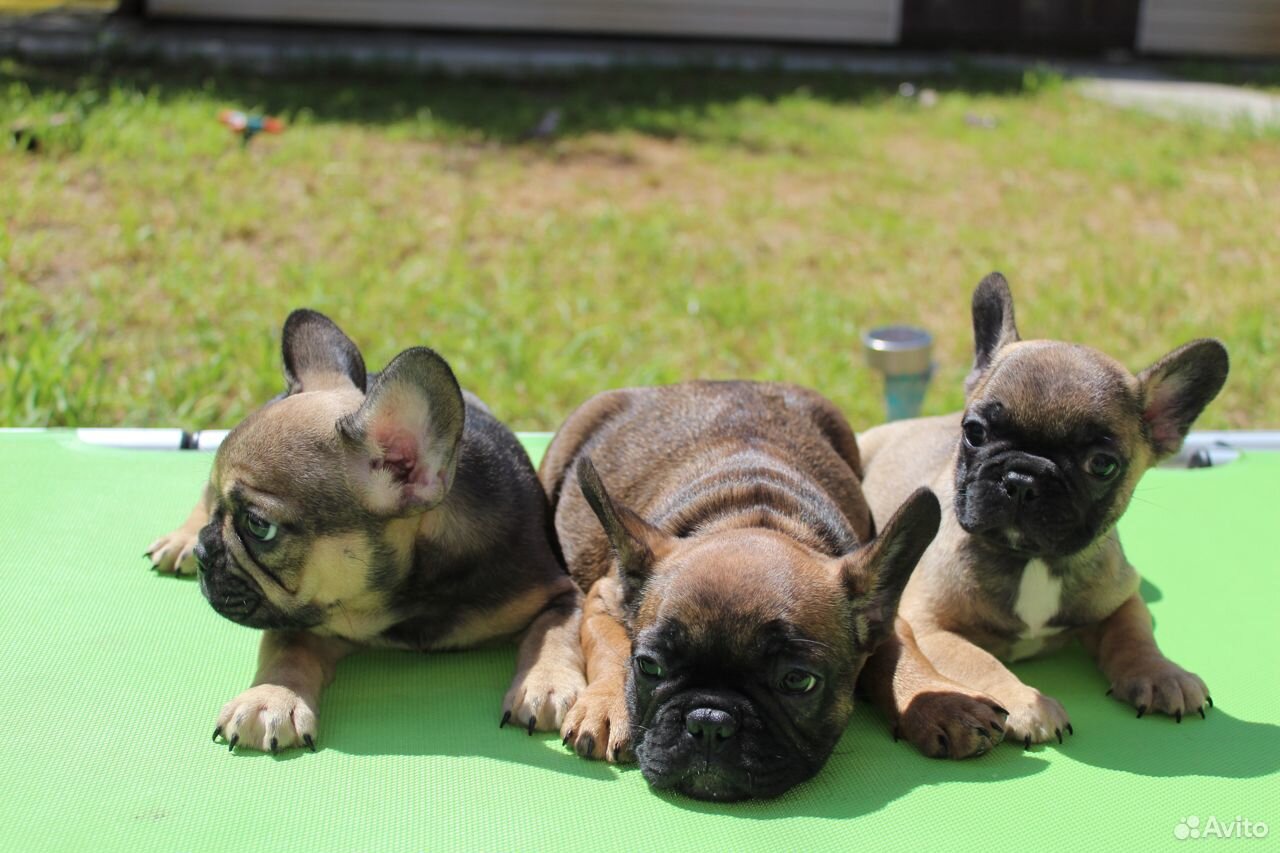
(681, 224)
(23, 7)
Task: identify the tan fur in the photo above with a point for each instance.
(279, 710)
(943, 717)
(697, 573)
(508, 619)
(953, 621)
(1125, 648)
(727, 444)
(597, 724)
(327, 457)
(959, 633)
(549, 665)
(175, 551)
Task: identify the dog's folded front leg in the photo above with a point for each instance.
(1033, 717)
(1125, 649)
(942, 718)
(279, 710)
(549, 666)
(598, 725)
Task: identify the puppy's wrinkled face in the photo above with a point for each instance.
(1051, 449)
(1055, 436)
(746, 644)
(288, 539)
(316, 498)
(744, 660)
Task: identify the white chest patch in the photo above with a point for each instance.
(1038, 601)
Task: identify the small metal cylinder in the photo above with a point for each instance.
(904, 356)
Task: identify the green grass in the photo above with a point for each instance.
(24, 7)
(682, 224)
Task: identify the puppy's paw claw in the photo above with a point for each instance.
(267, 718)
(1037, 718)
(1164, 687)
(174, 553)
(949, 724)
(598, 726)
(540, 700)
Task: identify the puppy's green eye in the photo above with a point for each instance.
(1103, 465)
(259, 528)
(798, 681)
(975, 434)
(650, 667)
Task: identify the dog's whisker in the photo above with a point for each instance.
(346, 615)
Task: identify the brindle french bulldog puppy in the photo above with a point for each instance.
(1033, 476)
(734, 585)
(388, 510)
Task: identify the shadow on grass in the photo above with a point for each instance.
(657, 102)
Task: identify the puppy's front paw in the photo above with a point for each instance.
(268, 718)
(1036, 718)
(1161, 685)
(174, 553)
(947, 724)
(540, 699)
(598, 726)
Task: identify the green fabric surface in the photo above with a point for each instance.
(112, 676)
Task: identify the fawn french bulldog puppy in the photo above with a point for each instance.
(1033, 476)
(735, 587)
(388, 510)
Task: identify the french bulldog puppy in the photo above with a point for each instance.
(734, 585)
(384, 510)
(1033, 476)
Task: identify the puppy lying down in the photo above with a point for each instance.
(385, 510)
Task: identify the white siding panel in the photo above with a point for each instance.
(1222, 27)
(868, 21)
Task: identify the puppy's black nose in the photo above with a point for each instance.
(711, 725)
(201, 555)
(1020, 486)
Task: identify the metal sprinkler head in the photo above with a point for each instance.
(904, 356)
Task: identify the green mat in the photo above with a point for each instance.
(111, 677)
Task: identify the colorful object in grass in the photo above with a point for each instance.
(249, 126)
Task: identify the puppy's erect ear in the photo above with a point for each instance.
(405, 436)
(318, 355)
(637, 544)
(875, 575)
(1177, 388)
(993, 325)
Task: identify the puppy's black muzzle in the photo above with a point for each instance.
(230, 592)
(717, 746)
(1022, 502)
